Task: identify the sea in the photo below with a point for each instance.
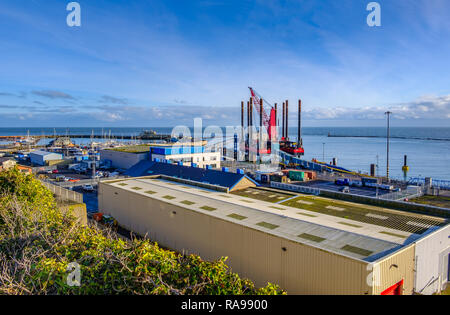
(355, 148)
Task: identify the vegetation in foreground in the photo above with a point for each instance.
(38, 243)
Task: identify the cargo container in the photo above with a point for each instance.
(297, 175)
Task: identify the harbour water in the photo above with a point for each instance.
(428, 149)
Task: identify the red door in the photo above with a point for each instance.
(396, 289)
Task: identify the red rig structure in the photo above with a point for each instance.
(269, 123)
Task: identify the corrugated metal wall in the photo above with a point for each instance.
(429, 253)
(298, 268)
(393, 269)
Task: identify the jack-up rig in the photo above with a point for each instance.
(270, 124)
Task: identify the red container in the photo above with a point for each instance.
(97, 216)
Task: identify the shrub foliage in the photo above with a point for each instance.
(38, 242)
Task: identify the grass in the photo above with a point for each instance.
(169, 197)
(150, 192)
(311, 237)
(438, 201)
(263, 195)
(247, 201)
(358, 212)
(136, 188)
(267, 225)
(207, 208)
(357, 250)
(122, 184)
(236, 216)
(187, 202)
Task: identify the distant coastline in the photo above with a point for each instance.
(392, 137)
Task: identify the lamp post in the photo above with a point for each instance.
(388, 113)
(323, 151)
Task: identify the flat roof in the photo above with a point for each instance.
(354, 239)
(43, 153)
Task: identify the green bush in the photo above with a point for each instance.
(38, 242)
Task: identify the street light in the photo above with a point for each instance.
(323, 152)
(388, 113)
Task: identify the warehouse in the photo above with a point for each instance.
(124, 157)
(303, 251)
(227, 180)
(44, 158)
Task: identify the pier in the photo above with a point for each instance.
(128, 137)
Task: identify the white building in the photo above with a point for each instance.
(189, 154)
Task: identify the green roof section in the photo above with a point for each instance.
(311, 237)
(237, 216)
(168, 197)
(207, 208)
(393, 234)
(350, 224)
(142, 148)
(267, 225)
(357, 250)
(187, 202)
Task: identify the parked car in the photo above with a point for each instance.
(88, 188)
(60, 178)
(73, 180)
(344, 189)
(55, 171)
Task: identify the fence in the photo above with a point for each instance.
(62, 193)
(410, 192)
(296, 188)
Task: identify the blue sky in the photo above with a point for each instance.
(162, 63)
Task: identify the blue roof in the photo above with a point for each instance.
(219, 178)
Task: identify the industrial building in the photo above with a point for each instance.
(122, 157)
(188, 153)
(267, 240)
(43, 158)
(223, 179)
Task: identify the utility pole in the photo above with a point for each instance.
(388, 113)
(377, 177)
(323, 151)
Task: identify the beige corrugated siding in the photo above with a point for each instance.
(391, 270)
(299, 269)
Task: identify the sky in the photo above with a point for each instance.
(164, 62)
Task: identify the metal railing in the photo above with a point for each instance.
(410, 192)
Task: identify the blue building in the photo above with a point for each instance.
(44, 158)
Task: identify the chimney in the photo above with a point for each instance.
(284, 120)
(299, 139)
(287, 120)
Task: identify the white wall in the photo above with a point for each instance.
(429, 253)
(201, 159)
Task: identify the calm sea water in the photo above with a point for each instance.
(428, 149)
